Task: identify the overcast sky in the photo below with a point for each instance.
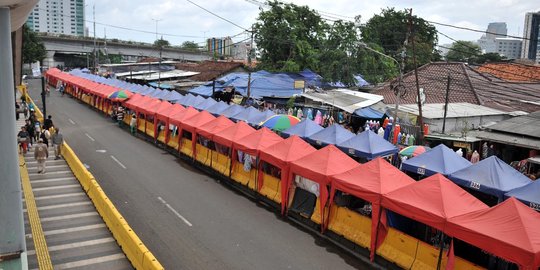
(188, 22)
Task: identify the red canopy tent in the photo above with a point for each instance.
(509, 230)
(256, 141)
(130, 103)
(370, 181)
(150, 108)
(214, 127)
(142, 103)
(162, 111)
(232, 134)
(178, 117)
(317, 167)
(281, 154)
(197, 120)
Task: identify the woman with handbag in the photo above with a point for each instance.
(22, 139)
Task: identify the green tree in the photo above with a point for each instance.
(289, 37)
(162, 43)
(33, 49)
(464, 51)
(389, 30)
(374, 67)
(189, 45)
(489, 57)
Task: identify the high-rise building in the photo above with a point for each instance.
(58, 16)
(531, 37)
(496, 30)
(220, 46)
(508, 47)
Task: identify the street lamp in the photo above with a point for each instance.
(157, 20)
(398, 87)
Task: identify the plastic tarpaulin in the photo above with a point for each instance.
(233, 134)
(509, 230)
(304, 129)
(369, 182)
(529, 194)
(369, 113)
(491, 176)
(280, 155)
(217, 108)
(334, 134)
(440, 159)
(318, 167)
(432, 201)
(368, 145)
(205, 104)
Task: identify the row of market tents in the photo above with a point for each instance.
(507, 230)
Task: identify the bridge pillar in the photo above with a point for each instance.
(49, 60)
(12, 242)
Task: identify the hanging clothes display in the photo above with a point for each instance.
(300, 113)
(412, 140)
(387, 131)
(340, 117)
(399, 137)
(475, 157)
(290, 111)
(380, 132)
(318, 118)
(247, 162)
(397, 129)
(407, 139)
(294, 112)
(385, 122)
(310, 114)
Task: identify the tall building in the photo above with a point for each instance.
(531, 37)
(508, 47)
(58, 16)
(496, 30)
(220, 46)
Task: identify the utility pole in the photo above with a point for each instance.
(419, 100)
(159, 65)
(95, 49)
(157, 20)
(446, 103)
(249, 65)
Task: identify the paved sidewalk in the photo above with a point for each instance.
(76, 236)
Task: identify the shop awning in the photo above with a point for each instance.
(529, 194)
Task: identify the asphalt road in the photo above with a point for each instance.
(187, 219)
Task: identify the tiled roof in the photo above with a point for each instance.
(512, 71)
(466, 85)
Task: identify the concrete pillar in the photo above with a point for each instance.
(11, 215)
(48, 62)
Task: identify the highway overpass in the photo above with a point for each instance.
(130, 50)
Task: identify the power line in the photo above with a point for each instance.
(227, 20)
(476, 30)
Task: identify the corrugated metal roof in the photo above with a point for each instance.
(527, 125)
(347, 100)
(455, 110)
(510, 139)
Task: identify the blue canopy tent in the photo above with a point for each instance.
(440, 159)
(304, 129)
(217, 108)
(257, 119)
(334, 134)
(491, 176)
(197, 101)
(529, 194)
(232, 110)
(368, 113)
(244, 115)
(172, 96)
(206, 104)
(187, 100)
(368, 145)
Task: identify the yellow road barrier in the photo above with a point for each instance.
(40, 245)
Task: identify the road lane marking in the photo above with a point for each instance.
(119, 163)
(89, 137)
(174, 211)
(71, 121)
(101, 151)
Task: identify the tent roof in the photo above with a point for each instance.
(333, 134)
(492, 176)
(369, 113)
(217, 108)
(303, 129)
(232, 110)
(440, 159)
(152, 106)
(319, 165)
(187, 100)
(432, 201)
(258, 119)
(257, 141)
(163, 111)
(179, 117)
(143, 103)
(508, 230)
(529, 194)
(244, 115)
(368, 145)
(233, 134)
(176, 109)
(206, 103)
(290, 149)
(130, 103)
(197, 120)
(370, 180)
(214, 127)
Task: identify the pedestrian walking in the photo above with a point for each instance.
(45, 136)
(31, 131)
(17, 111)
(22, 140)
(57, 141)
(37, 129)
(133, 124)
(41, 153)
(48, 123)
(24, 108)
